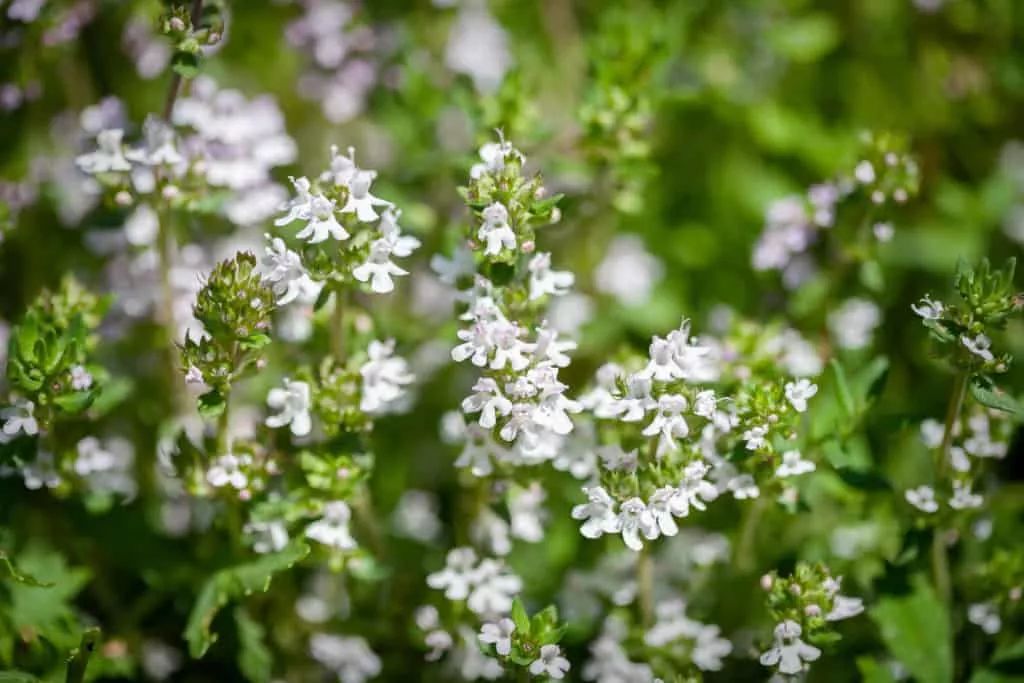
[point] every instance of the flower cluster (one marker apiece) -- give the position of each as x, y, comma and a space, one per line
804, 606
521, 408
668, 444
884, 177
351, 234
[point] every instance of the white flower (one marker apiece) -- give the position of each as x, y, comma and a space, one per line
709, 649
495, 231
379, 268
299, 207
980, 346
662, 366
360, 201
928, 309
81, 380
793, 465
923, 498
349, 657
694, 490
400, 245
109, 157
488, 401
494, 588
963, 499
384, 377
457, 576
20, 418
705, 404
755, 437
854, 322
293, 401
789, 653
321, 222
798, 392
864, 173
332, 528
159, 148
636, 519
743, 487
599, 513
932, 432
550, 663
267, 537
549, 349
499, 635
668, 423
282, 269
439, 642
492, 155
449, 270
844, 607
478, 47
628, 271
544, 281
526, 512
226, 471
986, 616
661, 508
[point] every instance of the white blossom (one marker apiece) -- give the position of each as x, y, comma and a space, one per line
378, 267
385, 377
789, 654
636, 520
360, 200
282, 269
986, 616
923, 498
980, 345
963, 498
550, 663
226, 470
599, 513
109, 156
544, 281
495, 231
798, 392
793, 465
20, 418
293, 402
332, 528
853, 323
928, 309
347, 656
498, 634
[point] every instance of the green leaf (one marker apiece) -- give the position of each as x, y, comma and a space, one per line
17, 677
185, 64
254, 341
520, 618
916, 630
805, 39
8, 570
842, 387
872, 671
212, 404
254, 657
231, 584
995, 397
76, 402
79, 659
111, 395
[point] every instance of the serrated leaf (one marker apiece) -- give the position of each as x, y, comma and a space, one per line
915, 629
231, 584
8, 570
254, 657
997, 398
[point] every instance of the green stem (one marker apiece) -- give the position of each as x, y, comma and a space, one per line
748, 536
522, 674
940, 560
338, 326
645, 585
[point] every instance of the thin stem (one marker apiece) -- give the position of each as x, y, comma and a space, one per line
748, 535
175, 86
940, 560
338, 326
645, 584
522, 674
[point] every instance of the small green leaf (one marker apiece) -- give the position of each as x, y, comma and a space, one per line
254, 341
863, 479
842, 387
231, 584
212, 404
254, 657
76, 402
521, 619
185, 64
994, 397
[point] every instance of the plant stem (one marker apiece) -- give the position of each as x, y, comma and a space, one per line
645, 584
175, 87
748, 535
522, 674
338, 326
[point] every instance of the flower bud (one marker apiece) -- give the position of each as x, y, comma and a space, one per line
766, 582
123, 198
